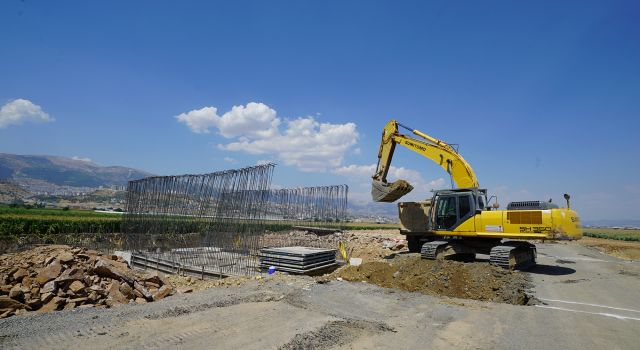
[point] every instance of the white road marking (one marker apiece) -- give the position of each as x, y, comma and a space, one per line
619, 317
576, 258
595, 305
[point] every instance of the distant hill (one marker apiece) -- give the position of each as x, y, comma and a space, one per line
61, 171
11, 192
375, 210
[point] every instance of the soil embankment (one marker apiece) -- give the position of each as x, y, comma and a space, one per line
477, 281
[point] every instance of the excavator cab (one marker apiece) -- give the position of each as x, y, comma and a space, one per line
450, 208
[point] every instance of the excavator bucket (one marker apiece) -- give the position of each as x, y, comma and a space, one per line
389, 192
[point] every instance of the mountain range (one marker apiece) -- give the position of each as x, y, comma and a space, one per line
61, 171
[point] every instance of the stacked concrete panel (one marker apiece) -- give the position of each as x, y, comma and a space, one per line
299, 260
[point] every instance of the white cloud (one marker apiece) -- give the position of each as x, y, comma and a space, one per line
356, 172
255, 120
230, 160
264, 161
360, 176
364, 172
19, 111
200, 120
83, 159
305, 144
255, 129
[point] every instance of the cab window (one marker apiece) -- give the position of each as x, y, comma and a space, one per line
464, 206
446, 215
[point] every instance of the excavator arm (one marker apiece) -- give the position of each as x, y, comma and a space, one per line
438, 151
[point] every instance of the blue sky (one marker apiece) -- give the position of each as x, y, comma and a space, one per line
543, 97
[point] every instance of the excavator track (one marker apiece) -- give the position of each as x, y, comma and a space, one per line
430, 249
514, 255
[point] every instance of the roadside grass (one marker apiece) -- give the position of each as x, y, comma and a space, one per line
609, 233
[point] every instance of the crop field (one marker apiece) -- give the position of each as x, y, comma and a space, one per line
7, 210
21, 221
617, 234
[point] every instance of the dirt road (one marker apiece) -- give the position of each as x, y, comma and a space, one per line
591, 302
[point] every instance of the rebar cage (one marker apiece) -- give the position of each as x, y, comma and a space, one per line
216, 223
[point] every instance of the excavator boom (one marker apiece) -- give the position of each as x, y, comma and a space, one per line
429, 147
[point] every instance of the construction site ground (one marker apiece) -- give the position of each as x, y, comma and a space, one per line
583, 299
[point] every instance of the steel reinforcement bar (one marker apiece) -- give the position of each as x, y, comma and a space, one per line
210, 221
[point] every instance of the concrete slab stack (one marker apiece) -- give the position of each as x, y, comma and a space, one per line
298, 260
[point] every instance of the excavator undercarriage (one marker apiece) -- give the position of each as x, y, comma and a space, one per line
509, 255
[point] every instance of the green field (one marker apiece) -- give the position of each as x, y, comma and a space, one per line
609, 233
22, 221
7, 210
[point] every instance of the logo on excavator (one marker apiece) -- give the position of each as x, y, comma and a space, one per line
414, 145
534, 229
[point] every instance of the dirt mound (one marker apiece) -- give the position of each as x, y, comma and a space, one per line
479, 281
628, 250
52, 278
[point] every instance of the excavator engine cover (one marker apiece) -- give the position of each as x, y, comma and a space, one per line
389, 192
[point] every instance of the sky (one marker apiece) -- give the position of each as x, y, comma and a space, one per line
543, 97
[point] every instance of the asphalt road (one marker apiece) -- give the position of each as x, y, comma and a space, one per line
590, 301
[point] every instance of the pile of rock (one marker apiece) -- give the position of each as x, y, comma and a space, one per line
52, 278
394, 243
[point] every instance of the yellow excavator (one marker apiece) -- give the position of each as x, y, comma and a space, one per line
459, 223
